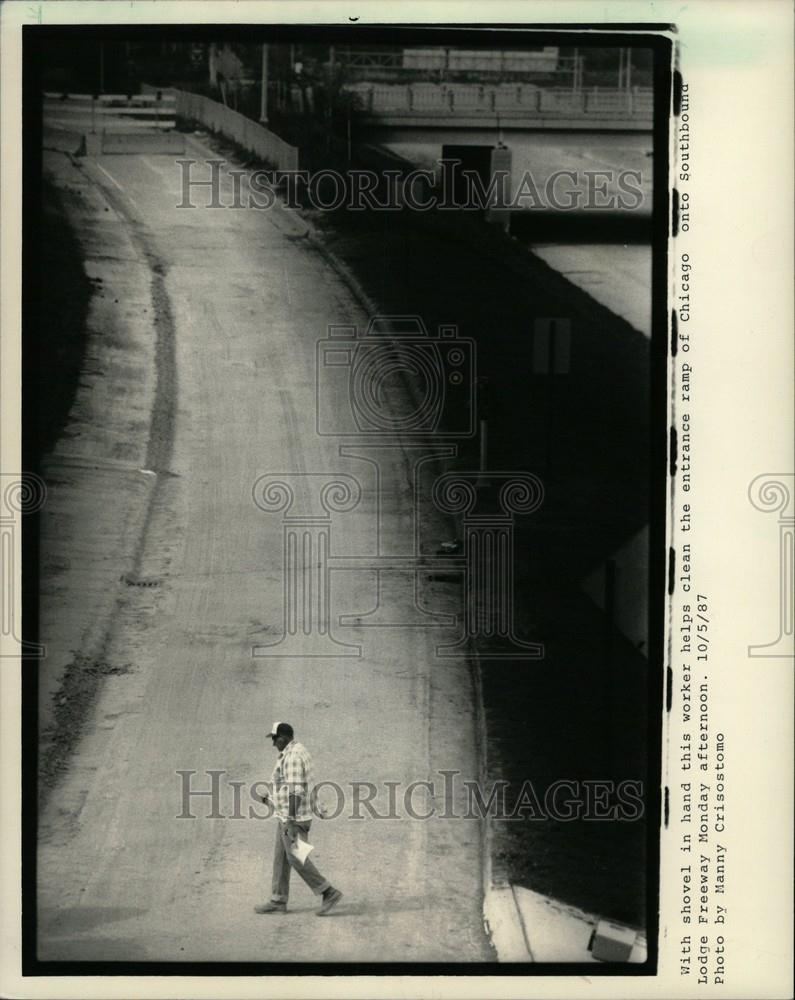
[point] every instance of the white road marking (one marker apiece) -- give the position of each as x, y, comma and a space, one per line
110, 177
147, 162
113, 180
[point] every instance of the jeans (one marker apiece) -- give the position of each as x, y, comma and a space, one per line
283, 861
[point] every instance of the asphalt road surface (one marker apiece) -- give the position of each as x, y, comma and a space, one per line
238, 301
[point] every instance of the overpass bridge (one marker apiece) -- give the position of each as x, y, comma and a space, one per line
587, 134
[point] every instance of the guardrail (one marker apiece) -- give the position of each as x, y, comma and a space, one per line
636, 102
445, 60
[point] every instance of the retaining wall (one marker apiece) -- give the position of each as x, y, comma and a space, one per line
246, 133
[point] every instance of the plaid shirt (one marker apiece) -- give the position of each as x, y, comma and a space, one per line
292, 774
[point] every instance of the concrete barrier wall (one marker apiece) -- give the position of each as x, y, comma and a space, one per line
120, 142
246, 133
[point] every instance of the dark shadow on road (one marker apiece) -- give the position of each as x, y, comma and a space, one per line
78, 919
581, 712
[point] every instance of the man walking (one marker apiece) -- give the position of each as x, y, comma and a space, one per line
291, 784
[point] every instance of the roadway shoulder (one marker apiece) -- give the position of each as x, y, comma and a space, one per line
98, 483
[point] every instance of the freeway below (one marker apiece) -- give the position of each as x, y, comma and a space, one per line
616, 274
231, 310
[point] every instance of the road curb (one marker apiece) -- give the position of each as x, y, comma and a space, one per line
500, 918
526, 926
504, 925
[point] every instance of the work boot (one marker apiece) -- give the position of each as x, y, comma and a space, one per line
330, 899
272, 906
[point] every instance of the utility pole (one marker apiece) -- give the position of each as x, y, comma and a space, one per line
263, 108
330, 96
212, 65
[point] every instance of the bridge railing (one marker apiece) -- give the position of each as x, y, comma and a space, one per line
480, 99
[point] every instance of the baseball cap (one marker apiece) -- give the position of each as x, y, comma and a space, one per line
281, 729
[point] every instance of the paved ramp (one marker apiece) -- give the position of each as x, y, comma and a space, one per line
238, 303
